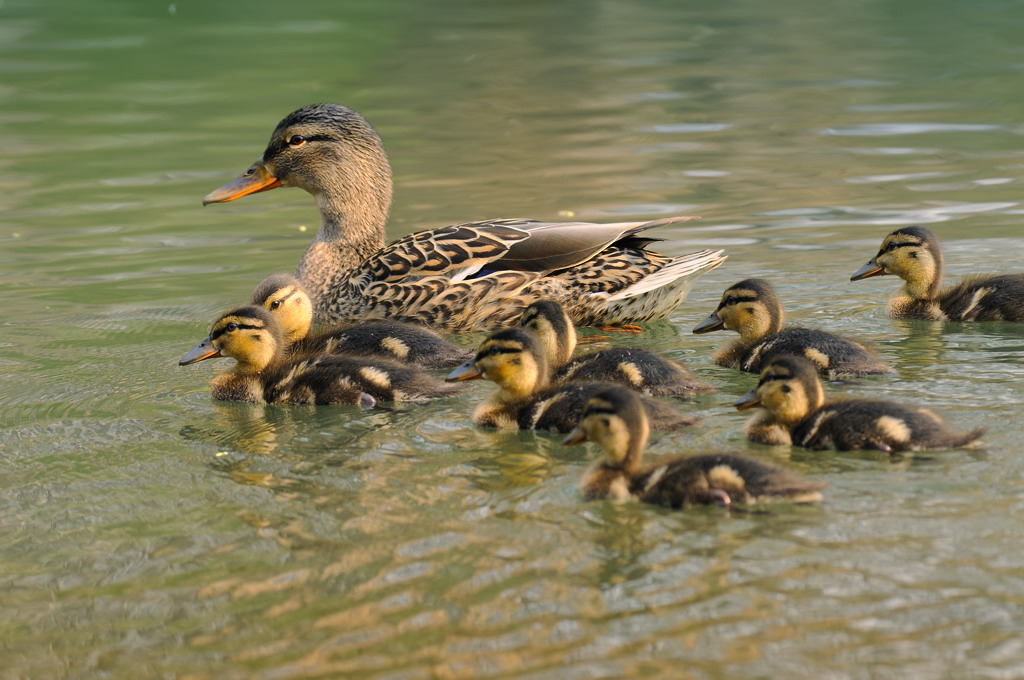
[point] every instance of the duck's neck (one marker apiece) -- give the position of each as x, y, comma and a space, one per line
351, 230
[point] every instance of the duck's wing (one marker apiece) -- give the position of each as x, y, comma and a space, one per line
465, 250
461, 248
561, 245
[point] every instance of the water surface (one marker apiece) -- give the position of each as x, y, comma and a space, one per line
149, 532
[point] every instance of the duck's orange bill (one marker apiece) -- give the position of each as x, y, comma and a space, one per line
467, 371
749, 400
872, 268
204, 350
257, 178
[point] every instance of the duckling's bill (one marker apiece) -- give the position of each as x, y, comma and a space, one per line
871, 268
254, 180
577, 436
204, 350
712, 323
749, 400
467, 371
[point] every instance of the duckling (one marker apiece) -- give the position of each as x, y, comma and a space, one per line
615, 419
470, 276
285, 297
796, 414
752, 309
264, 375
643, 371
515, 360
914, 255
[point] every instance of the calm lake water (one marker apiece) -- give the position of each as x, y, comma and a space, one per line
146, 531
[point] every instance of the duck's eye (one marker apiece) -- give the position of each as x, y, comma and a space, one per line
296, 140
275, 304
493, 351
731, 300
231, 326
891, 247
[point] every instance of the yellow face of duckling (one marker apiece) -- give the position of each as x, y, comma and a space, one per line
249, 335
615, 420
512, 358
556, 331
750, 308
284, 297
911, 253
789, 389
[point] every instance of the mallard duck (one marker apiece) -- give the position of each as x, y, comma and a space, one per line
795, 412
615, 419
752, 309
643, 371
914, 255
264, 375
284, 296
514, 359
477, 275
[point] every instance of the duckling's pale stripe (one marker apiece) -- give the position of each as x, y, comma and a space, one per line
895, 429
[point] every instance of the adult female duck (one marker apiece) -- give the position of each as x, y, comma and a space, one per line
477, 275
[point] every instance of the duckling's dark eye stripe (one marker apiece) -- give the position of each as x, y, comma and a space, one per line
897, 244
772, 377
289, 296
497, 349
736, 300
238, 326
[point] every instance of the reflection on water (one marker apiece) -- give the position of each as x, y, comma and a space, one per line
148, 531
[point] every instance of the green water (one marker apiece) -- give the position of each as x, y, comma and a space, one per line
146, 531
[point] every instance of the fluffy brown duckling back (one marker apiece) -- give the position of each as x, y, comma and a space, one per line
615, 419
515, 360
914, 255
752, 309
795, 412
285, 297
638, 369
264, 375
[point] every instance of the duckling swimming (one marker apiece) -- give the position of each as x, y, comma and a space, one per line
643, 371
752, 309
914, 255
615, 419
285, 297
795, 413
515, 360
264, 375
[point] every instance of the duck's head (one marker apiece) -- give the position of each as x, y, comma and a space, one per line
614, 419
284, 297
513, 358
911, 253
789, 388
327, 149
249, 335
553, 327
750, 307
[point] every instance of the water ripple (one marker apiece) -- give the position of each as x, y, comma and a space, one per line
895, 129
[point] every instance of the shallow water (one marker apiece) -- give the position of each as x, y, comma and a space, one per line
149, 532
